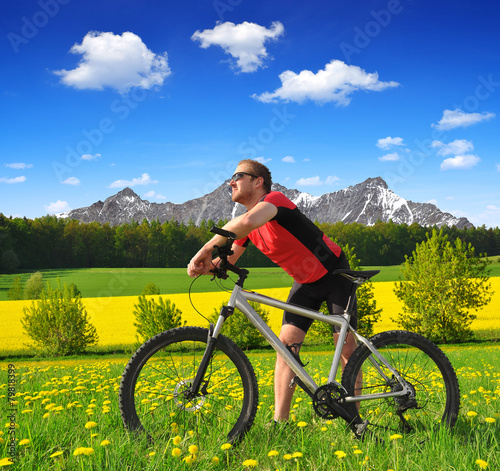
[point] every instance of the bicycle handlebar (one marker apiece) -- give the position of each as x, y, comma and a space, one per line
224, 252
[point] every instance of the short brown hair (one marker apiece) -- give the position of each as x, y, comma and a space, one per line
260, 170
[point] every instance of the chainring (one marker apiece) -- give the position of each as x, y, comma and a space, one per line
324, 397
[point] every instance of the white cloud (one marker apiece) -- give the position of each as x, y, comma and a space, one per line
243, 42
263, 160
57, 207
71, 181
316, 181
311, 181
114, 61
457, 118
389, 142
456, 147
393, 157
21, 179
331, 180
19, 165
498, 167
432, 201
144, 179
288, 159
153, 194
90, 156
335, 83
460, 162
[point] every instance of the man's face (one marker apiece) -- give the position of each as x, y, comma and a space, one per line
244, 187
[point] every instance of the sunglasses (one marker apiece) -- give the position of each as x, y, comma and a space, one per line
239, 175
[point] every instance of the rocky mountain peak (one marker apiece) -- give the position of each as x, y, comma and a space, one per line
364, 203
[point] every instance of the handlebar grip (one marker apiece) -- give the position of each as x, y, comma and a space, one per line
223, 232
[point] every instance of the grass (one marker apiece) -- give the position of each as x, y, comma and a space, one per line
99, 282
63, 407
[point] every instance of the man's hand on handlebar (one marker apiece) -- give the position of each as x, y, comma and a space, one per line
201, 263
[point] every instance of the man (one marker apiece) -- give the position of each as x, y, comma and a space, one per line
276, 226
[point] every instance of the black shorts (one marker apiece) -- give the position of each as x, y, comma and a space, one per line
334, 289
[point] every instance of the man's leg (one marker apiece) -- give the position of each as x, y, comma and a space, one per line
283, 375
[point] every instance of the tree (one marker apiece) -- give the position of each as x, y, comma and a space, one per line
58, 323
34, 286
368, 314
9, 261
16, 291
442, 283
153, 317
239, 329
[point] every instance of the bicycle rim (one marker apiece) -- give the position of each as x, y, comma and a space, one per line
434, 397
154, 392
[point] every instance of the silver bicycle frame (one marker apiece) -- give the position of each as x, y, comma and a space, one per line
239, 298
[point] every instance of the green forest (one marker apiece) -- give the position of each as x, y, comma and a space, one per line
50, 242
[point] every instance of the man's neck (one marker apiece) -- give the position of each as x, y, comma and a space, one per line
254, 200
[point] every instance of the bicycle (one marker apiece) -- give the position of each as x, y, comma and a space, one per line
193, 379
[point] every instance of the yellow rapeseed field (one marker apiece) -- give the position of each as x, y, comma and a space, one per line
113, 316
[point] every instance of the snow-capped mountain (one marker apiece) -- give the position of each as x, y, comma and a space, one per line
365, 203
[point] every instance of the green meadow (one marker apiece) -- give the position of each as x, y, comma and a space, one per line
66, 417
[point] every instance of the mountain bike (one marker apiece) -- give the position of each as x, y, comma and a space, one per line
196, 380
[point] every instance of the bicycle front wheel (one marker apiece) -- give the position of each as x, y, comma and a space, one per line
155, 387
434, 396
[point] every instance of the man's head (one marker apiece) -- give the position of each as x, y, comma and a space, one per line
258, 170
250, 182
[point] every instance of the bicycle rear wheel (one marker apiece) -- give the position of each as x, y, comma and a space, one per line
157, 379
435, 394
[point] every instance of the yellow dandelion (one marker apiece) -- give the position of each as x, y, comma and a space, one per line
396, 436
226, 446
215, 460
482, 464
250, 463
358, 452
24, 441
340, 454
189, 459
193, 449
152, 453
297, 454
273, 453
287, 457
302, 424
105, 443
324, 429
6, 462
177, 440
471, 414
56, 454
490, 420
90, 424
176, 452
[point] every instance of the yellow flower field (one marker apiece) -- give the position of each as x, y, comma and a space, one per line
113, 316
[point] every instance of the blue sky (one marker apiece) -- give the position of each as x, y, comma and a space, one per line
166, 97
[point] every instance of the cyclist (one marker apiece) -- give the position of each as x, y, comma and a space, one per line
277, 227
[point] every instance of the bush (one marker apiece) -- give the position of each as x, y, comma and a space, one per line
34, 286
154, 317
58, 323
239, 329
150, 289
